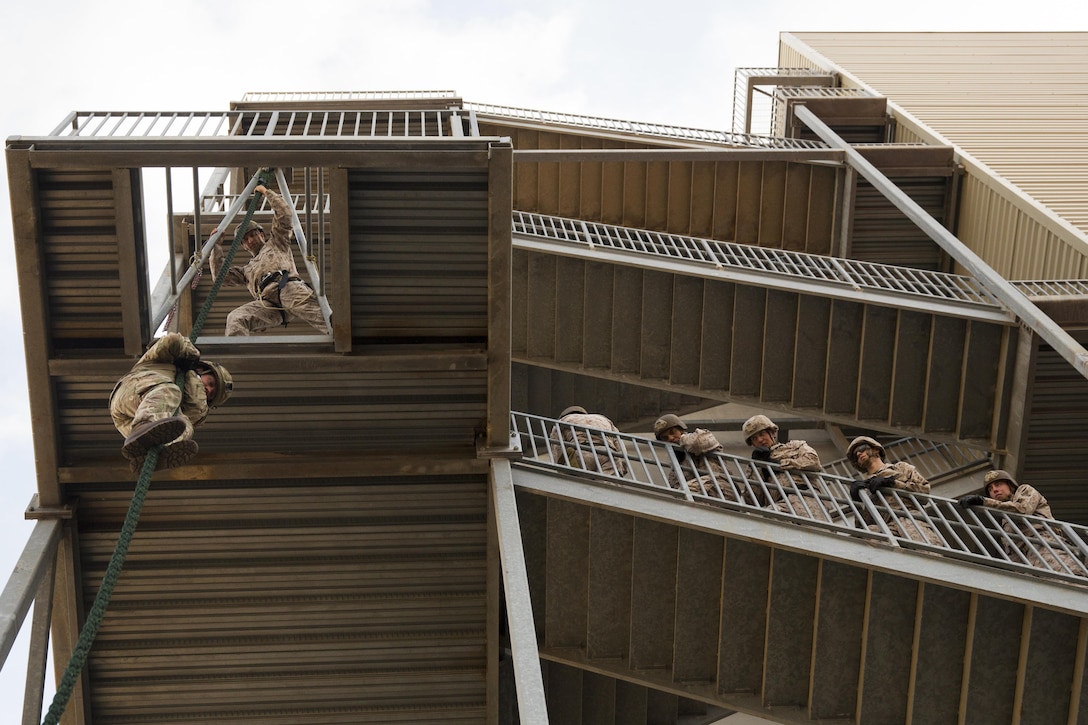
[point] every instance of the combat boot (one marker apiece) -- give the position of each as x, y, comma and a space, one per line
177, 454
148, 435
171, 456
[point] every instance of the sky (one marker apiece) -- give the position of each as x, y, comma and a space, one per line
670, 63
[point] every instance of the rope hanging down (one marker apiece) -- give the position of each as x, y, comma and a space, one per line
128, 529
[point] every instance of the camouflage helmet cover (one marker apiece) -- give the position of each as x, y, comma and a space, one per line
998, 475
249, 226
224, 382
666, 422
755, 424
572, 409
863, 441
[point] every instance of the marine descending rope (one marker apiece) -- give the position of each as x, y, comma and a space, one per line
128, 529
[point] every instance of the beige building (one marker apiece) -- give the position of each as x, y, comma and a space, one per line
1012, 106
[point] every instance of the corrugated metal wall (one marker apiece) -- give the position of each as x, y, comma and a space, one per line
1012, 104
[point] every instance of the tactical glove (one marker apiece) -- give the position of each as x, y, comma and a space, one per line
880, 482
855, 489
761, 453
972, 500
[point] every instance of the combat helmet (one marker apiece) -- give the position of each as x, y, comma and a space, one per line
998, 475
863, 441
572, 409
224, 383
666, 422
249, 226
755, 424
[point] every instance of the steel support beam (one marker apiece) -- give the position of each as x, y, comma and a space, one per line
500, 200
35, 563
824, 156
245, 354
532, 706
1033, 317
38, 658
340, 247
34, 301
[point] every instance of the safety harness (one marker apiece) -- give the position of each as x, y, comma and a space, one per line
271, 296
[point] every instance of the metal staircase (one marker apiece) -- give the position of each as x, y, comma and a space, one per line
769, 613
860, 344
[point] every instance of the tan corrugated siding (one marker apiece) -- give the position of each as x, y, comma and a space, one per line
1012, 104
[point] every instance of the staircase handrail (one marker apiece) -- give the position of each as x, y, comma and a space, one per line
851, 276
955, 459
642, 129
1009, 540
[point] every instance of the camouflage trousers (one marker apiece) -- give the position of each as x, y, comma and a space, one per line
913, 529
130, 408
600, 462
1056, 560
713, 486
298, 303
805, 504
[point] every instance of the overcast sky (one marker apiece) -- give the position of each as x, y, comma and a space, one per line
668, 62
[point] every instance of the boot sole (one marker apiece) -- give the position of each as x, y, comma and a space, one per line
162, 431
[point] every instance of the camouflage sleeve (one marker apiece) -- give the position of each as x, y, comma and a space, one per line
1026, 500
796, 455
283, 230
235, 276
171, 348
906, 477
700, 441
194, 401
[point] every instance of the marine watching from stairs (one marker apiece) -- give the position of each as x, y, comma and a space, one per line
783, 464
1005, 494
591, 451
868, 455
696, 453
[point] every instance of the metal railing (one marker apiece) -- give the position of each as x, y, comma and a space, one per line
1051, 287
1011, 541
344, 96
741, 113
694, 135
370, 124
848, 275
934, 460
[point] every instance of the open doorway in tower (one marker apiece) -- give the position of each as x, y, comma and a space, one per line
276, 280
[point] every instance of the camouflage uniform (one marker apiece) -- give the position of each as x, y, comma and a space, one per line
795, 455
272, 304
703, 471
1027, 500
148, 393
591, 453
906, 478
